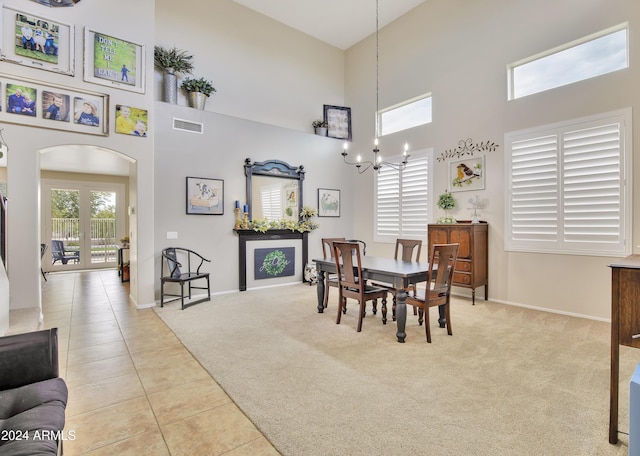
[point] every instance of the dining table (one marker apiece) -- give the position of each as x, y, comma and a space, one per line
397, 273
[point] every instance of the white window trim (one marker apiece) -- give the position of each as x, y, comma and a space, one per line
400, 105
594, 36
391, 239
558, 246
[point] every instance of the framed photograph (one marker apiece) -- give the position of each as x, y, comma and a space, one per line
113, 62
32, 103
35, 41
328, 202
339, 121
131, 121
467, 174
205, 196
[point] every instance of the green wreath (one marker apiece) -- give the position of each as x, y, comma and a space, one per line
275, 262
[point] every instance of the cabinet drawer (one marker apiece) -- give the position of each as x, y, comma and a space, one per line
463, 266
461, 278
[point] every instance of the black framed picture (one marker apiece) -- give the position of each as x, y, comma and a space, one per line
205, 196
328, 202
338, 119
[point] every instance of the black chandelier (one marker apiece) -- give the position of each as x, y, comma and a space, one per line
377, 161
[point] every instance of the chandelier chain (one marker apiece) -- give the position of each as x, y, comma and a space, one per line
377, 162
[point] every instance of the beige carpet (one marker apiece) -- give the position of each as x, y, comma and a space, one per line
510, 381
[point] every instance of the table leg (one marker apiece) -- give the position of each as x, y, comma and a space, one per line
320, 290
442, 319
401, 314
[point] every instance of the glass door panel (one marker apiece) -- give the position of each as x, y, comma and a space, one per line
65, 228
103, 229
82, 223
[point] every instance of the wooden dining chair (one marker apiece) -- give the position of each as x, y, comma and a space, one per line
350, 282
437, 292
330, 280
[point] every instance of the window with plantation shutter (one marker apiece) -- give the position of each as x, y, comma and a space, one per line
271, 197
569, 187
402, 200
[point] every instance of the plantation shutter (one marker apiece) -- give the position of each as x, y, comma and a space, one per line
592, 185
402, 200
271, 197
534, 189
414, 198
569, 189
388, 202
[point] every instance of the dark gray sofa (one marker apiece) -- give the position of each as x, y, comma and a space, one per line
32, 396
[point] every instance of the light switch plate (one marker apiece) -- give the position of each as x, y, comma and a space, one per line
172, 235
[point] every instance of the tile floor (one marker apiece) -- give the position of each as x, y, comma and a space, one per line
133, 388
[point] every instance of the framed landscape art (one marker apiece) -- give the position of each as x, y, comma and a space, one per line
113, 62
36, 41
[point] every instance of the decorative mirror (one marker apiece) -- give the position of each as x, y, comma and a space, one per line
274, 190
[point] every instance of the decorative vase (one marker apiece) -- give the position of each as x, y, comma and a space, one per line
197, 100
321, 131
169, 86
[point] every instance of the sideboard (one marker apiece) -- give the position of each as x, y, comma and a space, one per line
472, 266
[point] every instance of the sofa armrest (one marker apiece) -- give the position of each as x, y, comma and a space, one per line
28, 358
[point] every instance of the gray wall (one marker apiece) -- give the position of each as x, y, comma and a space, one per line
220, 153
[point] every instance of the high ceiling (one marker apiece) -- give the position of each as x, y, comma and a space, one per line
341, 23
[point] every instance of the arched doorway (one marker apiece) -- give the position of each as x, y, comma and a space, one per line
84, 205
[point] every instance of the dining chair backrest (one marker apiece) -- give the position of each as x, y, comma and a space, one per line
442, 263
363, 245
349, 265
409, 247
327, 246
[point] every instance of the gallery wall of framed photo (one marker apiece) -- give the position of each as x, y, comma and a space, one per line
34, 40
31, 103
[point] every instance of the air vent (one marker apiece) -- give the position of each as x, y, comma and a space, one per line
187, 125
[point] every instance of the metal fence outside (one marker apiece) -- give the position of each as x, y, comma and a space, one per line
104, 246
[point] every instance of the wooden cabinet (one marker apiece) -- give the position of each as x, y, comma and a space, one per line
625, 325
472, 265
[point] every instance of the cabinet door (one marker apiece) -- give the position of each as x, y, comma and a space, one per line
462, 236
438, 235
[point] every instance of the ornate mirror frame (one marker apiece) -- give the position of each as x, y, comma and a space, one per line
275, 169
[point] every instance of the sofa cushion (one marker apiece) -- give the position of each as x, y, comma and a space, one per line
26, 412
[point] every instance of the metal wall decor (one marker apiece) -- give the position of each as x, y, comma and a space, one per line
467, 147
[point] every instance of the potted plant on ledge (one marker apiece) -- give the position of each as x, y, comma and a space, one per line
198, 90
320, 127
171, 62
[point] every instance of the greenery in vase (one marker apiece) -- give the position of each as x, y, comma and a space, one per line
320, 124
177, 60
446, 202
201, 85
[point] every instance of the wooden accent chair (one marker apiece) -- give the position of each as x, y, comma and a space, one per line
330, 280
438, 287
350, 281
172, 256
